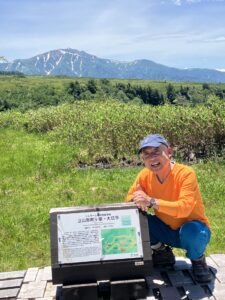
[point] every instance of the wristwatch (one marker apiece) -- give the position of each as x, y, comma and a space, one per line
152, 203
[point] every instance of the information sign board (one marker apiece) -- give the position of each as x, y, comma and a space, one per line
96, 236
93, 243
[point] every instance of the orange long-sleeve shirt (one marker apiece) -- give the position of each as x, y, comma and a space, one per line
179, 198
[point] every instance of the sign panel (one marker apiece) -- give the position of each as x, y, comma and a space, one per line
99, 236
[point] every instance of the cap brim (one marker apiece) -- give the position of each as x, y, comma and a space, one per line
154, 145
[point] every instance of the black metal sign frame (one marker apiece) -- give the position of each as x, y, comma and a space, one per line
89, 272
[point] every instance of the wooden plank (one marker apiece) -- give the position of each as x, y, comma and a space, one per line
129, 289
45, 290
80, 292
46, 298
34, 289
177, 278
219, 259
220, 274
44, 274
51, 290
219, 292
12, 275
195, 292
10, 283
39, 275
47, 274
211, 263
31, 274
9, 293
170, 292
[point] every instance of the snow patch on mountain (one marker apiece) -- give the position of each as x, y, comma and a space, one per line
3, 60
72, 62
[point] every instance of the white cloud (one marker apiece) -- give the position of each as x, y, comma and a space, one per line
171, 32
177, 2
180, 2
218, 39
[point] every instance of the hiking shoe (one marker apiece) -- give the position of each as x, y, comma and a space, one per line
163, 257
200, 270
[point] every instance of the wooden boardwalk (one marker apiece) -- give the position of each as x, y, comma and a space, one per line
176, 284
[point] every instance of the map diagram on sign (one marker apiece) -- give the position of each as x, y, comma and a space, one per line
119, 240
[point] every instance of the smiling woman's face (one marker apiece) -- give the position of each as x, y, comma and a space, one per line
157, 159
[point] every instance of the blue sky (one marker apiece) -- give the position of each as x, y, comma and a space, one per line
178, 33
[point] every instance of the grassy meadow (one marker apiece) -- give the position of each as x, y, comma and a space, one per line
43, 149
37, 174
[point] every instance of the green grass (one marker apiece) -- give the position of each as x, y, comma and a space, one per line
38, 174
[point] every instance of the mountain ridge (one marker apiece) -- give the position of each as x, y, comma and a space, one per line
72, 62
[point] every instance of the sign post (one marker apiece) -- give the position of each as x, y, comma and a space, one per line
97, 246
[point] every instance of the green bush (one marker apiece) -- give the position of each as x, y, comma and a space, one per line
113, 129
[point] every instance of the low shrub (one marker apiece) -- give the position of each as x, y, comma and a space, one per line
99, 129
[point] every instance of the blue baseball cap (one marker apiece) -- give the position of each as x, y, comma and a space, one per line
152, 140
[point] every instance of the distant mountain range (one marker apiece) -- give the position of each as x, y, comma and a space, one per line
71, 62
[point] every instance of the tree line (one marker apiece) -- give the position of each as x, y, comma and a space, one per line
11, 73
23, 92
184, 95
